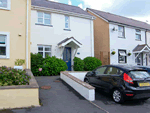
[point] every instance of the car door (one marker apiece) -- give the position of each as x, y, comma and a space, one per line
111, 78
96, 74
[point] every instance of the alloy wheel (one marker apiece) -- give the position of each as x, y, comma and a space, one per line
117, 96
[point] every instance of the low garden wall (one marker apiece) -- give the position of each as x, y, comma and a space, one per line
75, 80
18, 96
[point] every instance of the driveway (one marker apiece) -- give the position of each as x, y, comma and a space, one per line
61, 98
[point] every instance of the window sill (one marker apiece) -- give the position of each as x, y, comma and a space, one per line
43, 24
138, 40
122, 37
5, 8
122, 63
3, 57
67, 29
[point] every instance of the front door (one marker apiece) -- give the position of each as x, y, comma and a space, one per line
67, 57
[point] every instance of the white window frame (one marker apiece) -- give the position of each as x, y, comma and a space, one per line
67, 22
137, 33
121, 31
122, 55
43, 18
7, 45
8, 5
44, 46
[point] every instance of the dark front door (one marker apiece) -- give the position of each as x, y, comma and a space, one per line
67, 57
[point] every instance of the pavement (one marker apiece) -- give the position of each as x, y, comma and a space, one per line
61, 98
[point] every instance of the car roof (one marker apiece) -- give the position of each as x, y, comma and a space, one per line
144, 66
126, 67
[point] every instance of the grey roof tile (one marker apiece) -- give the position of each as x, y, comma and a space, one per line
120, 19
139, 47
59, 6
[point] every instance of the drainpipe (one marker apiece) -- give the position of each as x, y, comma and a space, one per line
27, 35
145, 37
92, 38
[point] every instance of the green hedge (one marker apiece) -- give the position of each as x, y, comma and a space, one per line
78, 64
10, 76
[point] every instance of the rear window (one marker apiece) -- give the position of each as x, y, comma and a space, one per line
139, 74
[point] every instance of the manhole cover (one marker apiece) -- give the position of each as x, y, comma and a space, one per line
46, 87
57, 81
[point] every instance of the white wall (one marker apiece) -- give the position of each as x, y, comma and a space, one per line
79, 75
128, 44
148, 43
80, 30
89, 94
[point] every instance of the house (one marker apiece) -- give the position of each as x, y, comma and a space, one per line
61, 30
122, 36
15, 32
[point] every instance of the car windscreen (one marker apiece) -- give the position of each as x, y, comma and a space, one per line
139, 74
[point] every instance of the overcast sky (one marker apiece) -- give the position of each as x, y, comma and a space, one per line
136, 9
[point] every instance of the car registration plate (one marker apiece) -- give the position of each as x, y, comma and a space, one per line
144, 84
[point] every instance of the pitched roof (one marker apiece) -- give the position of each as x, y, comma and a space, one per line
120, 19
139, 47
59, 6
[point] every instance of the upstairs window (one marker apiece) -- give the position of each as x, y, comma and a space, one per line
121, 33
44, 50
44, 18
138, 34
66, 22
5, 4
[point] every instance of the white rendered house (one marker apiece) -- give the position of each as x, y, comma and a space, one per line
61, 30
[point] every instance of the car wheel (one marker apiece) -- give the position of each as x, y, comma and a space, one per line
87, 81
117, 96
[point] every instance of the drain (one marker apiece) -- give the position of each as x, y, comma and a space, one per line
46, 87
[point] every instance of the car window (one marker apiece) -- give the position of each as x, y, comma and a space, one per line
100, 70
139, 74
114, 71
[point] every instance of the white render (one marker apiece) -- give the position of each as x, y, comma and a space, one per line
81, 30
128, 43
80, 75
89, 94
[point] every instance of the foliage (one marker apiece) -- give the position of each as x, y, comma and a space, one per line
19, 62
36, 63
113, 52
10, 76
129, 54
78, 64
91, 63
53, 66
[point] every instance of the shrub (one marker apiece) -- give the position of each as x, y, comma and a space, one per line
10, 76
53, 66
36, 63
91, 63
78, 64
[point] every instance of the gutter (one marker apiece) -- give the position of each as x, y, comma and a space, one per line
27, 26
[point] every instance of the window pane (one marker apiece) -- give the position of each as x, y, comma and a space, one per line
47, 16
41, 53
3, 3
40, 14
66, 25
66, 19
100, 70
122, 59
47, 21
112, 70
47, 49
120, 34
40, 20
2, 39
138, 36
2, 50
47, 53
120, 28
40, 48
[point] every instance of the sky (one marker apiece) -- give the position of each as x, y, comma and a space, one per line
136, 9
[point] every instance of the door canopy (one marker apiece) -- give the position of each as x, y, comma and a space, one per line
66, 41
141, 48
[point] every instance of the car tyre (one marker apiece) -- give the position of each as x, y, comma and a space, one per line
117, 96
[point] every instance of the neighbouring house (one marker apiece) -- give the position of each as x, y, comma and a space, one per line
61, 30
125, 37
15, 32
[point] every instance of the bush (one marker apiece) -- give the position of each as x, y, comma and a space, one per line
91, 63
78, 64
53, 66
36, 63
10, 76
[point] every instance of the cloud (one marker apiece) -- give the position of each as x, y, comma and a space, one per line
69, 2
80, 5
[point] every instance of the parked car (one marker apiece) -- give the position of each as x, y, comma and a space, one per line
121, 81
145, 67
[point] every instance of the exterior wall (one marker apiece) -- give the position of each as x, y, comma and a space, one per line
45, 35
80, 75
16, 98
148, 43
128, 44
14, 22
101, 39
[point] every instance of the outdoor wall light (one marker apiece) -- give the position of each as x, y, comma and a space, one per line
78, 53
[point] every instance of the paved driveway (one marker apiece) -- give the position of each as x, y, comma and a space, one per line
61, 98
